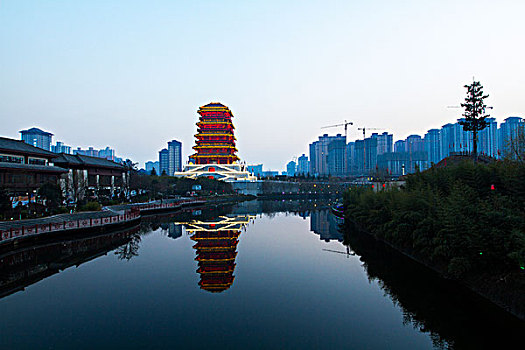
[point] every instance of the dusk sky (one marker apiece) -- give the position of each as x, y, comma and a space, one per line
132, 74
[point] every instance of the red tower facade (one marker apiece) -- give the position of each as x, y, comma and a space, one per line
215, 141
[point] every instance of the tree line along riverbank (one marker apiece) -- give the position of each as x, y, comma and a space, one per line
466, 221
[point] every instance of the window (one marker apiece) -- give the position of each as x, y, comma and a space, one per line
37, 161
11, 159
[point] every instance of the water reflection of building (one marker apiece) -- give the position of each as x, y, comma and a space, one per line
325, 224
216, 246
174, 230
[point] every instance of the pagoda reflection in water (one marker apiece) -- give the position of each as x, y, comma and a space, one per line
216, 246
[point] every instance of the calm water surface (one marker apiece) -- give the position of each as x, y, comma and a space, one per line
254, 275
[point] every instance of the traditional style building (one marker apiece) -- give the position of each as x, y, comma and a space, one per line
215, 152
91, 177
215, 142
25, 168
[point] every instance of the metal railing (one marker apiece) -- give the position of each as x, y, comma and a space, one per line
31, 230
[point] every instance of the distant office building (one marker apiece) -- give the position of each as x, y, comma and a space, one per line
256, 170
175, 157
431, 142
291, 168
37, 138
153, 165
164, 162
303, 165
509, 133
59, 147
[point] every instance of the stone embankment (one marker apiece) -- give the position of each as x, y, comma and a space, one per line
114, 216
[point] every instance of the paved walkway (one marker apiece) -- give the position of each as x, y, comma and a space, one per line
6, 225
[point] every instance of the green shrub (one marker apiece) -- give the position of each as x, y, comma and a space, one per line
91, 206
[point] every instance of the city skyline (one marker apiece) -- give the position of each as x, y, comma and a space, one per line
132, 74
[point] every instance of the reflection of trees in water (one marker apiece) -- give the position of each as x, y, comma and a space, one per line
31, 263
453, 316
130, 249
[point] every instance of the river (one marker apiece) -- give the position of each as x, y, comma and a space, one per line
260, 274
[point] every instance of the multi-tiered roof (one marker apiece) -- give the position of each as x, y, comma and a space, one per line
216, 247
215, 142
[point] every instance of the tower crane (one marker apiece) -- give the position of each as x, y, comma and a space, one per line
364, 146
345, 124
365, 129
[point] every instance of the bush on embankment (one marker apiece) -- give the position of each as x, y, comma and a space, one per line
460, 219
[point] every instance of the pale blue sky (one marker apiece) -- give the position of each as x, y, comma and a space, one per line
131, 74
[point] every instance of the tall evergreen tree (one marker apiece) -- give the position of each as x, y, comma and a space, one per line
474, 112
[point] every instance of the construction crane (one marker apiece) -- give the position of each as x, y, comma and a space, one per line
364, 147
365, 129
345, 124
338, 125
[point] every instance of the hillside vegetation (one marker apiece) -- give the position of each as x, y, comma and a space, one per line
462, 220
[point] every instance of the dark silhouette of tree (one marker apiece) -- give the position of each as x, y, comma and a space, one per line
52, 193
153, 172
5, 203
474, 112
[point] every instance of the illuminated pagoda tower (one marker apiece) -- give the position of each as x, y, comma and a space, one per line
215, 152
215, 140
216, 246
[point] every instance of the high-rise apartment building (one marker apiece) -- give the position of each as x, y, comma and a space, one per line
291, 168
153, 165
37, 138
164, 162
432, 145
509, 134
400, 146
303, 165
175, 157
59, 147
384, 142
107, 153
488, 139
336, 160
319, 155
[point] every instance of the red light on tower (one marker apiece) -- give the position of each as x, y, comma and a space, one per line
492, 187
